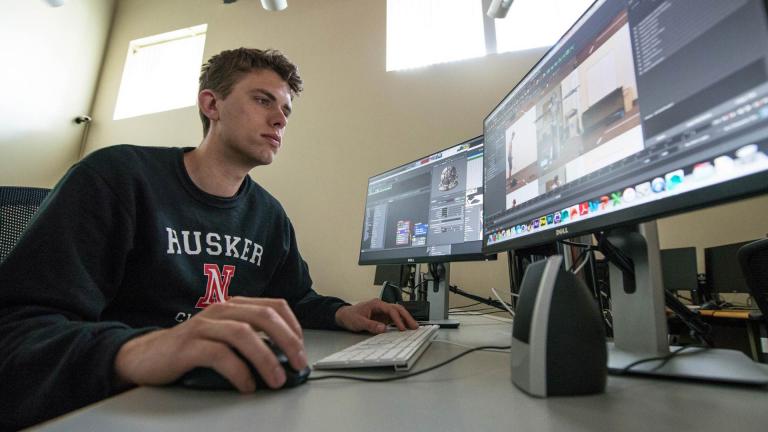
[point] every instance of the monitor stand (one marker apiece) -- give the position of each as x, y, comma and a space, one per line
640, 322
437, 296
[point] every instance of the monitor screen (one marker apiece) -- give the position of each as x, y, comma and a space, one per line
723, 270
428, 210
678, 269
644, 108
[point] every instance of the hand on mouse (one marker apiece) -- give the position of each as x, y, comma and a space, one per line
373, 316
207, 339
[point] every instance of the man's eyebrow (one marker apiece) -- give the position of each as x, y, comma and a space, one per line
270, 96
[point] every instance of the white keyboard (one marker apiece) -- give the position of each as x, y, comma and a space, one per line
395, 348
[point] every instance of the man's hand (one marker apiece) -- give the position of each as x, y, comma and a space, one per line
207, 340
373, 316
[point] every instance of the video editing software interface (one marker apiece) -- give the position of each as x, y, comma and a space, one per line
642, 101
426, 209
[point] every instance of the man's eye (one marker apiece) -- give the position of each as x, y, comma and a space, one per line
263, 101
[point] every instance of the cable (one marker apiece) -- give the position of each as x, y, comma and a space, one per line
434, 271
411, 291
388, 284
585, 261
494, 303
467, 346
413, 374
665, 359
585, 253
579, 245
482, 309
489, 311
509, 292
506, 306
466, 306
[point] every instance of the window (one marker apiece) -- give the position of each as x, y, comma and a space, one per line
425, 32
161, 72
533, 24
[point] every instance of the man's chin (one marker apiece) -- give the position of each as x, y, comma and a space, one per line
262, 159
269, 159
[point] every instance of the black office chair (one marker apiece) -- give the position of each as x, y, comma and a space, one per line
753, 258
17, 206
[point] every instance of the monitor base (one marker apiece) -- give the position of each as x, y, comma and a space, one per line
443, 323
700, 364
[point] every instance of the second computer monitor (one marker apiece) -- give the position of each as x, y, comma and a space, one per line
724, 273
428, 210
678, 269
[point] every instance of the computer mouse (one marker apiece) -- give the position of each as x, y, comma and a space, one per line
208, 379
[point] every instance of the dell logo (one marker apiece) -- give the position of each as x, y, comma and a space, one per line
561, 231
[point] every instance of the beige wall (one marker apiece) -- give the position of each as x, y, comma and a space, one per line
353, 120
49, 67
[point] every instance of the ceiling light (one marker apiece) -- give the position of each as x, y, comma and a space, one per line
497, 9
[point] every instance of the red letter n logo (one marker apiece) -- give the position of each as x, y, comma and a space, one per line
217, 288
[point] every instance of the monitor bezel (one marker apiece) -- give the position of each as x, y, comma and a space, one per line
710, 196
478, 256
732, 190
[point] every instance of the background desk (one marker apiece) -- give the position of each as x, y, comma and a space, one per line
473, 393
743, 330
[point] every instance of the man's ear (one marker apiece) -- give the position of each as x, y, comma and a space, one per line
207, 102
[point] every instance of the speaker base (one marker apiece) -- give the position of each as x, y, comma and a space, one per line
699, 364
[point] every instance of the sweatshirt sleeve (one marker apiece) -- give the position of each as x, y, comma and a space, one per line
293, 283
55, 353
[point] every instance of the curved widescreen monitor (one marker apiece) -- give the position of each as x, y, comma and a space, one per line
642, 109
428, 210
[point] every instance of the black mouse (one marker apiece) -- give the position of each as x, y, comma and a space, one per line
208, 379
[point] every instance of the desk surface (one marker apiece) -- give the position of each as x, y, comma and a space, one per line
472, 393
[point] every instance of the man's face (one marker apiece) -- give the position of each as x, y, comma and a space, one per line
252, 118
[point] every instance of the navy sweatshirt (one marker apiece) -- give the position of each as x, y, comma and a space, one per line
124, 244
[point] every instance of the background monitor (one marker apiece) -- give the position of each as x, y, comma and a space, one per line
723, 270
642, 109
429, 210
388, 273
679, 270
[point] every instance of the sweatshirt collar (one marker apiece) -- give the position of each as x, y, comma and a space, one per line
201, 195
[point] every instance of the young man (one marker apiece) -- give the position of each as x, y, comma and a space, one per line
144, 263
